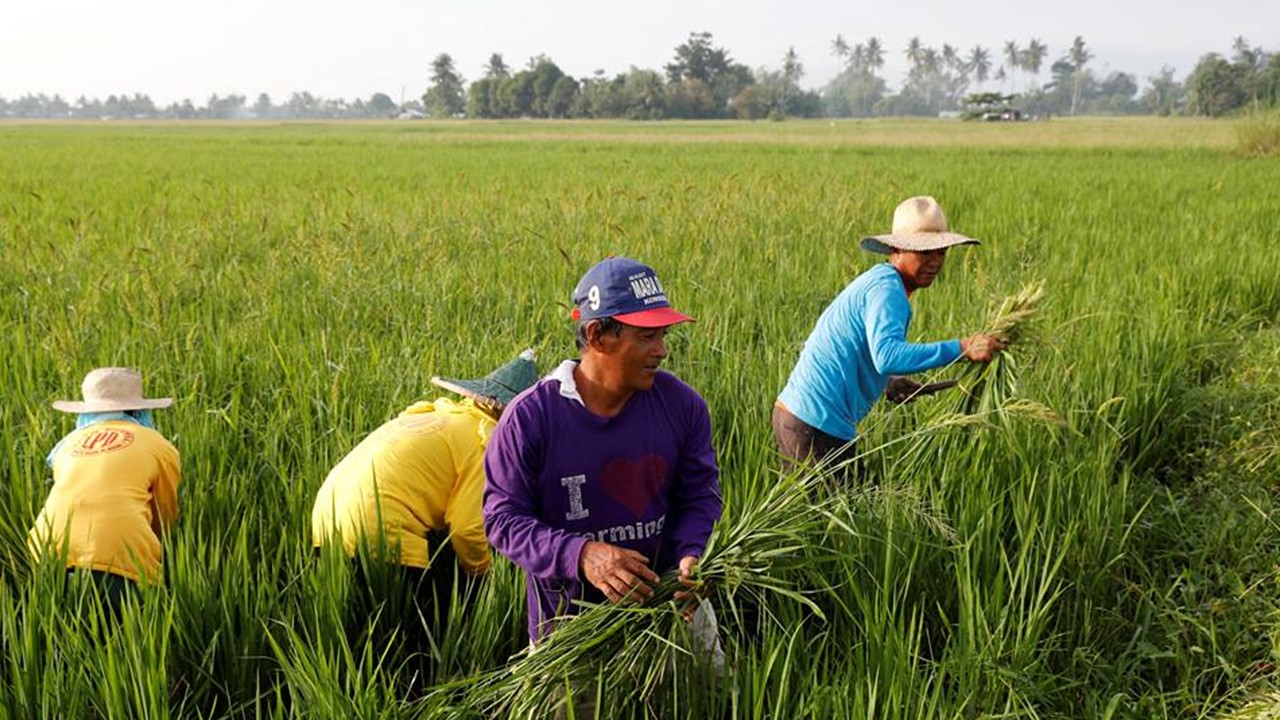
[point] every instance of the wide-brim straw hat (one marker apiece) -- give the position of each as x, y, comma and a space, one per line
498, 387
918, 226
112, 388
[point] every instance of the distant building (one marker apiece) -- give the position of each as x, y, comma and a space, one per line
990, 107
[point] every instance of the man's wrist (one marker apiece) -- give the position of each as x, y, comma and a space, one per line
581, 555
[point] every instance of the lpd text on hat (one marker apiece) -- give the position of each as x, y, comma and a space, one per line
627, 291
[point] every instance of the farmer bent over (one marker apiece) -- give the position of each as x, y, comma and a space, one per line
410, 486
115, 487
860, 342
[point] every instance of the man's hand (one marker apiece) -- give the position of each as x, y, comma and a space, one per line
980, 347
618, 573
695, 591
901, 389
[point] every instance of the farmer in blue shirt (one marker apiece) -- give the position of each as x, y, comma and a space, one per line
859, 344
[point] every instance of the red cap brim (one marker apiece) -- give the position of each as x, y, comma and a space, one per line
657, 317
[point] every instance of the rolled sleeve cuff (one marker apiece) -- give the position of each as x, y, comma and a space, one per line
684, 550
570, 560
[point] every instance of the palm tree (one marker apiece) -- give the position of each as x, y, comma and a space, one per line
931, 61
872, 61
915, 55
1011, 61
980, 64
1250, 58
1078, 56
931, 64
1033, 57
857, 59
914, 51
874, 53
792, 71
792, 68
839, 47
497, 68
1245, 55
955, 74
951, 57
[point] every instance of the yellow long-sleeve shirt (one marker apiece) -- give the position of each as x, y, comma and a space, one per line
419, 472
115, 492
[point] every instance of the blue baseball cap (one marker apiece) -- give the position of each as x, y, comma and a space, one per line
627, 291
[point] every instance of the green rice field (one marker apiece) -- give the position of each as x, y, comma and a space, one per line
1114, 553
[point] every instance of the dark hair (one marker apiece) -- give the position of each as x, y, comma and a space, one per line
607, 326
490, 405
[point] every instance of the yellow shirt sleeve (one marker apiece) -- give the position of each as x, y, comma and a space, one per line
463, 516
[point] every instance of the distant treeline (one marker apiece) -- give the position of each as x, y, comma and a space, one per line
703, 81
301, 105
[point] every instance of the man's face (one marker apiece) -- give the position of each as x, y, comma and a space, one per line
635, 354
918, 269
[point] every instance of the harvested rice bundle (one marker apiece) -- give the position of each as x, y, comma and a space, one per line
774, 551
992, 388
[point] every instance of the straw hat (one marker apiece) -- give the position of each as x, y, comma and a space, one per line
498, 387
918, 226
112, 388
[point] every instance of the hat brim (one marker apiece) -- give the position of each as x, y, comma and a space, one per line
499, 387
915, 242
655, 318
77, 406
481, 390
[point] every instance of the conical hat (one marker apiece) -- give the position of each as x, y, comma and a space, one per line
500, 386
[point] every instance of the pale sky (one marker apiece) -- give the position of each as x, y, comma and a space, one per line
175, 49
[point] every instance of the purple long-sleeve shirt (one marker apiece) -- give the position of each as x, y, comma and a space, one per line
558, 476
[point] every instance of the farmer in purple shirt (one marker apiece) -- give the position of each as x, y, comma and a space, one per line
602, 475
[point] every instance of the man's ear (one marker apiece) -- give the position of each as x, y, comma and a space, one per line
597, 338
594, 336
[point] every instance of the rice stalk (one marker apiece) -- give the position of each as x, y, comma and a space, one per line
1263, 707
785, 550
245, 245
991, 388
773, 553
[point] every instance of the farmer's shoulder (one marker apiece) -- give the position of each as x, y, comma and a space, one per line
533, 400
878, 278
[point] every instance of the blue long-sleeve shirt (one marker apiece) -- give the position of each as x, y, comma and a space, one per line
858, 342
